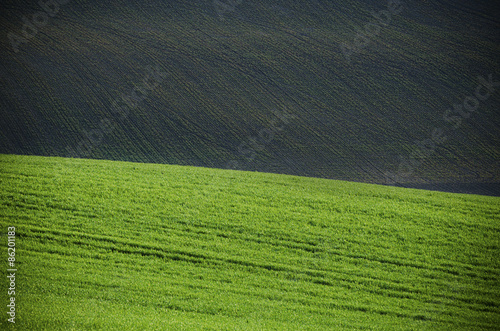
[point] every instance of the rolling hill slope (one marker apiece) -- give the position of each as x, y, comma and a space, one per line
118, 245
289, 86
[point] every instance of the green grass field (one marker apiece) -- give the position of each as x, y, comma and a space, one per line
128, 246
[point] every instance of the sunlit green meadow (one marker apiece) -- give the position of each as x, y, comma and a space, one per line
130, 246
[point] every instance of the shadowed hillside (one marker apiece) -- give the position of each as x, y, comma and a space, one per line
290, 87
